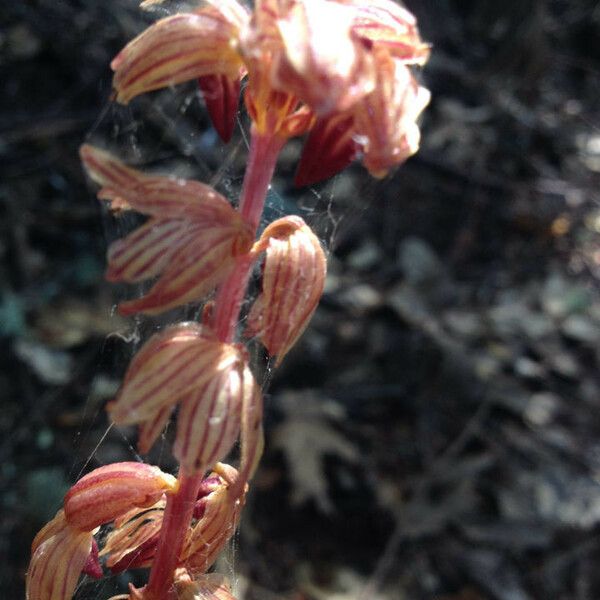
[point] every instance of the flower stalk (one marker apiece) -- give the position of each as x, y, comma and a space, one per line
352, 90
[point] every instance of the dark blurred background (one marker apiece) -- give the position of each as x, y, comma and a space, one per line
436, 433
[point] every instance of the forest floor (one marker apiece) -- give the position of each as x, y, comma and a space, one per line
436, 432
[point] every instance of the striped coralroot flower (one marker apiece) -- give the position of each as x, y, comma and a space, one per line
59, 554
132, 542
303, 74
209, 379
110, 491
292, 284
191, 240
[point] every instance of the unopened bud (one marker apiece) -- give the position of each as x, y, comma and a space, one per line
292, 284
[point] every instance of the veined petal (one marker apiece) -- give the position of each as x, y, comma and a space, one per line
292, 284
386, 24
209, 419
155, 195
195, 268
170, 365
108, 492
177, 49
251, 440
150, 430
57, 562
387, 119
323, 65
147, 251
132, 532
215, 527
329, 148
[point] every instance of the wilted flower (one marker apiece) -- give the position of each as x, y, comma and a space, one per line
310, 64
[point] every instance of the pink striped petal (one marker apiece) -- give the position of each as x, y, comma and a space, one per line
325, 66
57, 562
146, 252
159, 196
213, 530
170, 365
292, 284
108, 492
131, 532
194, 269
387, 24
174, 50
150, 430
387, 119
209, 419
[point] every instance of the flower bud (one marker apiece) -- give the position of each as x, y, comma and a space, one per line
110, 491
292, 284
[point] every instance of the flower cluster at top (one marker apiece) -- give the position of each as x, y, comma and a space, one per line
338, 71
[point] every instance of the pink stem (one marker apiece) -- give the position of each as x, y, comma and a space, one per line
264, 150
176, 519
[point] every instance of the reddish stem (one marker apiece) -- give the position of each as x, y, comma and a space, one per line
264, 150
176, 520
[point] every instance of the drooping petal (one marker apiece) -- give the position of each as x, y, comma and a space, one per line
174, 50
221, 96
251, 441
194, 269
330, 147
155, 195
386, 120
57, 562
170, 365
386, 24
147, 251
211, 532
292, 284
133, 533
108, 492
150, 429
209, 419
321, 62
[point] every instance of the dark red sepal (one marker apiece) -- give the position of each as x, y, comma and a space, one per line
221, 95
92, 567
330, 147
